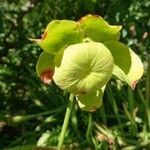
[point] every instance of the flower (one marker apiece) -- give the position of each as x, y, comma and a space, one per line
82, 56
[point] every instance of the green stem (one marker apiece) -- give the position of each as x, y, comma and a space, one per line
89, 127
148, 92
66, 121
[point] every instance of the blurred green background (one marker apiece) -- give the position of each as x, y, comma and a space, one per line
31, 113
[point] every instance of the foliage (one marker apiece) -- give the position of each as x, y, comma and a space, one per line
30, 108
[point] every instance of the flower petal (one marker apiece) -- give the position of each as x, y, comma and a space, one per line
96, 28
136, 70
128, 66
45, 67
85, 67
121, 54
59, 34
91, 101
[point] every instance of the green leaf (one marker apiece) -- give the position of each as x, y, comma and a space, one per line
59, 34
45, 66
91, 101
85, 67
128, 66
98, 30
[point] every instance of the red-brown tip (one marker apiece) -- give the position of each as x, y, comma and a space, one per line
89, 15
47, 75
44, 35
133, 85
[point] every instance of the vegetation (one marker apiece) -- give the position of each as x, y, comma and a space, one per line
32, 113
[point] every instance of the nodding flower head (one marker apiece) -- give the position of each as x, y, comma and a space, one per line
84, 68
82, 56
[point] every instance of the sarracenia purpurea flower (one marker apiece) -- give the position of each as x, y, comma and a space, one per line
82, 56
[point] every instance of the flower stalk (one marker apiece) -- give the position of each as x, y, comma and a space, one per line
66, 121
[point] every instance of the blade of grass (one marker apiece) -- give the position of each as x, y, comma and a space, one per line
148, 91
115, 109
20, 119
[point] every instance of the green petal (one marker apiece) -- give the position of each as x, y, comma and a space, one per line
135, 72
85, 67
59, 34
45, 66
58, 57
121, 54
128, 66
91, 101
98, 30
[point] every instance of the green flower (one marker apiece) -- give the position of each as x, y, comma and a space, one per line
84, 68
82, 56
